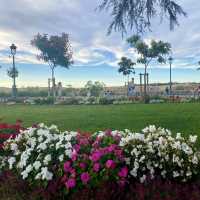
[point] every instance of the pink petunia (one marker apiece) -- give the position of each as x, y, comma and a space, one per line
96, 156
82, 165
96, 167
70, 183
123, 173
85, 177
110, 164
67, 166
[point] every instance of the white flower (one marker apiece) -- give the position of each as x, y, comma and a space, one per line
14, 147
195, 160
42, 146
133, 172
11, 161
45, 174
37, 165
175, 174
24, 174
47, 159
61, 158
193, 138
152, 128
143, 178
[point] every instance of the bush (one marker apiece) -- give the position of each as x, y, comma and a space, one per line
47, 101
105, 101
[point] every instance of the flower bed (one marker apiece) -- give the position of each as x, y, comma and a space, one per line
152, 164
9, 130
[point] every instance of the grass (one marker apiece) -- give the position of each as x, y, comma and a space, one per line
177, 117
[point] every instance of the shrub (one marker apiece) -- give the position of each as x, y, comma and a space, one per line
155, 152
105, 101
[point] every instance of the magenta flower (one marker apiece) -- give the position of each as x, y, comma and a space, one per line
123, 172
74, 156
85, 177
67, 166
96, 156
70, 183
111, 148
96, 167
72, 172
110, 164
77, 147
82, 165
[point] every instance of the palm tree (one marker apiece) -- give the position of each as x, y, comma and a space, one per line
137, 15
126, 67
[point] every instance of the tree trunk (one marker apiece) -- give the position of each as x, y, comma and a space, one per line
145, 84
53, 82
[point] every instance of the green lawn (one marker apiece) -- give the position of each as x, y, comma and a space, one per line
177, 117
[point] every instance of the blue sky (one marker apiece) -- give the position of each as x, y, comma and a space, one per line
95, 54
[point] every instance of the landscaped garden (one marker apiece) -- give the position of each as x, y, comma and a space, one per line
88, 161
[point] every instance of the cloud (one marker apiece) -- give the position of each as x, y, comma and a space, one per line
22, 19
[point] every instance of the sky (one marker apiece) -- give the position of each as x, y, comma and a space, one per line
95, 53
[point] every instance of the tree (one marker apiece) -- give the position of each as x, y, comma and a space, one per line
156, 51
126, 67
55, 50
95, 88
137, 15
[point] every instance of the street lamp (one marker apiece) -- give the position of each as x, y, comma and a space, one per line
170, 82
13, 49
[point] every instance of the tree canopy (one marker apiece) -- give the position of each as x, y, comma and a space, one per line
95, 88
137, 15
55, 50
156, 50
126, 66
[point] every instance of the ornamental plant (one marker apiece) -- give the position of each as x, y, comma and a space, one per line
9, 130
95, 160
155, 152
36, 153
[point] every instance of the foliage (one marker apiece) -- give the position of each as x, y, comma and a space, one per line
137, 15
9, 131
157, 50
55, 50
126, 66
95, 89
44, 101
105, 101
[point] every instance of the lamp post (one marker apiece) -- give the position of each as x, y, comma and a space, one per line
170, 82
13, 49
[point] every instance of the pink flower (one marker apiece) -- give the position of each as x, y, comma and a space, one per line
74, 156
85, 177
96, 167
77, 147
67, 166
111, 148
123, 172
82, 165
70, 183
72, 172
110, 164
96, 156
